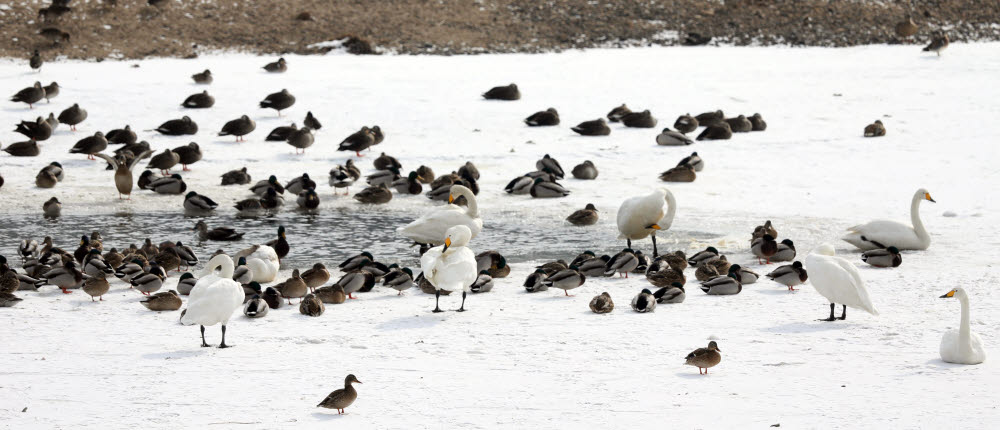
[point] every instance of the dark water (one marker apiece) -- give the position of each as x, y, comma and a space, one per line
329, 236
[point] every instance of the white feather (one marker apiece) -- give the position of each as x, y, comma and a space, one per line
638, 213
431, 227
838, 280
214, 298
454, 269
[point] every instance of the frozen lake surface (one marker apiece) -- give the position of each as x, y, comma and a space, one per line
519, 360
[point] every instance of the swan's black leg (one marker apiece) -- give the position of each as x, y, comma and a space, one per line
843, 316
654, 246
223, 344
462, 308
831, 314
629, 242
203, 344
437, 298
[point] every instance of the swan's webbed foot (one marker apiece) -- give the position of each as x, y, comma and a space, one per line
843, 315
831, 318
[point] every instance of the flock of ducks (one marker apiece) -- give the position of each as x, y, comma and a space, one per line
443, 233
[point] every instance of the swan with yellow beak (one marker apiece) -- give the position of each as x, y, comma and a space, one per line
451, 266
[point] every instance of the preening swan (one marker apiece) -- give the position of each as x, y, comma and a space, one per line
884, 233
263, 262
431, 227
962, 346
639, 217
838, 280
452, 266
214, 298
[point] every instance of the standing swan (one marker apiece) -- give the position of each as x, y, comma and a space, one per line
214, 298
838, 280
639, 217
962, 346
452, 266
884, 233
431, 227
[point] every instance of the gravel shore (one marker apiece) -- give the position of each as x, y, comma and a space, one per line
134, 29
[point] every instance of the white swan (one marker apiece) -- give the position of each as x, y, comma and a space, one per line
962, 346
838, 280
884, 233
431, 227
262, 261
214, 298
639, 217
452, 266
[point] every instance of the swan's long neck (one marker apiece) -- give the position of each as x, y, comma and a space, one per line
473, 210
225, 264
918, 225
964, 332
671, 209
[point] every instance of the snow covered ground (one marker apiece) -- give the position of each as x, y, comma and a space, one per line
541, 360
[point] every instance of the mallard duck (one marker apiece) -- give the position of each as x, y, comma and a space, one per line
173, 184
379, 135
602, 303
566, 279
483, 283
281, 133
355, 281
704, 358
938, 43
906, 27
52, 208
358, 141
150, 281
345, 175
585, 170
73, 115
506, 92
595, 127
239, 127
194, 202
595, 267
168, 259
242, 273
123, 171
164, 161
186, 283
90, 145
785, 252
398, 279
272, 297
188, 155
9, 300
643, 263
114, 258
623, 262
708, 118
94, 264
236, 177
333, 294
758, 123
374, 195
149, 248
545, 189
35, 62
642, 119
311, 305
165, 301
301, 139
53, 122
38, 131
553, 266
887, 257
875, 129
682, 173
23, 149
789, 275
469, 170
716, 131
178, 127
260, 188
147, 177
673, 293
521, 185
721, 264
30, 95
28, 248
585, 216
617, 113
724, 285
279, 66
747, 276
644, 302
256, 307
384, 162
342, 398
761, 230
380, 177
764, 248
278, 101
308, 200
684, 124
535, 282
665, 276
316, 276
46, 178
312, 122
494, 263
425, 174
408, 185
543, 118
223, 234
668, 137
200, 100
356, 262
127, 271
581, 257
677, 260
9, 282
740, 124
706, 272
203, 77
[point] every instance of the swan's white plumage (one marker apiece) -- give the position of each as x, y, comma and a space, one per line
214, 298
893, 233
262, 261
431, 227
961, 345
638, 213
838, 280
454, 269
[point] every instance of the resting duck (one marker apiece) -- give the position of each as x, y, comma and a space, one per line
343, 176
178, 127
194, 202
186, 283
494, 263
642, 119
685, 124
644, 302
312, 122
204, 78
279, 66
506, 92
789, 275
668, 137
399, 279
200, 100
673, 293
665, 276
875, 129
595, 127
374, 195
333, 294
785, 252
887, 257
617, 113
358, 141
311, 306
281, 133
236, 177
602, 303
623, 262
566, 279
316, 277
224, 234
165, 301
595, 267
256, 307
585, 216
150, 281
172, 184
535, 282
740, 124
543, 118
408, 185
724, 285
546, 189
681, 173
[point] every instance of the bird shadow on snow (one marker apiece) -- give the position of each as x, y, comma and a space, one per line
176, 354
808, 326
689, 375
327, 417
414, 322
